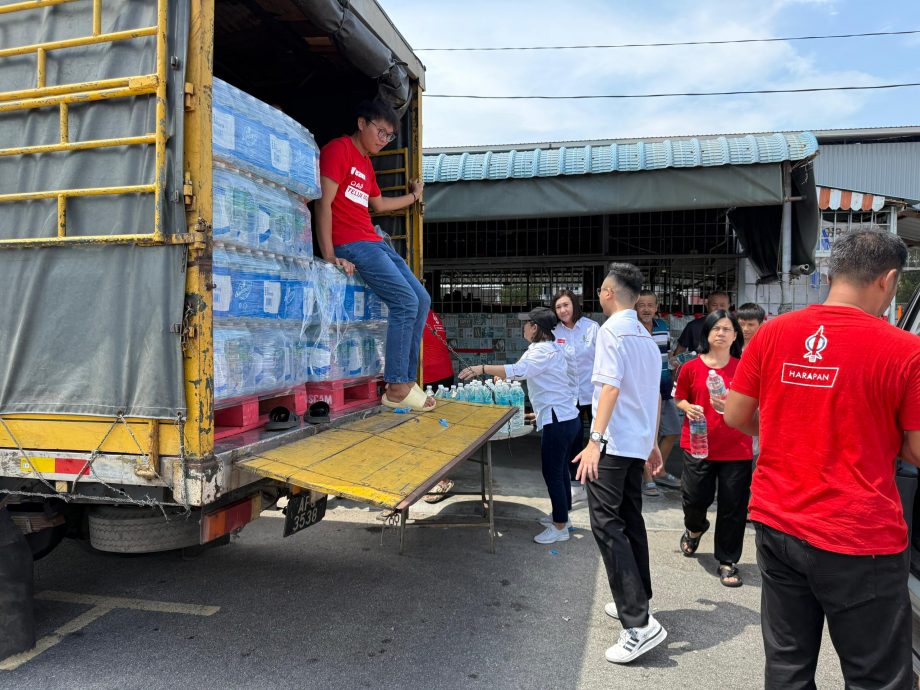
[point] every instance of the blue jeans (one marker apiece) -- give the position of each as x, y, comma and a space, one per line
387, 274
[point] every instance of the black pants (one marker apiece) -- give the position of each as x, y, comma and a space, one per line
615, 505
698, 488
864, 599
555, 441
581, 440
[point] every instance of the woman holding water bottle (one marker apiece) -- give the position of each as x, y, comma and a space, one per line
715, 455
553, 388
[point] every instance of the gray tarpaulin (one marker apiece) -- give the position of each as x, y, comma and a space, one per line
362, 49
88, 330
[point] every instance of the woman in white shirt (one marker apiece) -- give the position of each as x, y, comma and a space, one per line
551, 385
578, 334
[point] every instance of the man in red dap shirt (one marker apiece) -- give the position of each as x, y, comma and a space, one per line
838, 392
437, 369
347, 239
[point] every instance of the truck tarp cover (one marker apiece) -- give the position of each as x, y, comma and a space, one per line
89, 329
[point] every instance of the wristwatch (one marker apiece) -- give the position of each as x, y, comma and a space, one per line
596, 437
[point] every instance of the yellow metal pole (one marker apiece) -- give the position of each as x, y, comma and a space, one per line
65, 122
40, 56
79, 41
89, 191
31, 5
118, 82
97, 17
62, 216
160, 146
198, 359
78, 145
140, 89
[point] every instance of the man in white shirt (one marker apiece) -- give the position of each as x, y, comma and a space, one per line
624, 431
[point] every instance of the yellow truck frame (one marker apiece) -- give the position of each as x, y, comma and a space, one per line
174, 455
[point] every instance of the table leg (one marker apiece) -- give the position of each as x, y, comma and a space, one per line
491, 508
403, 514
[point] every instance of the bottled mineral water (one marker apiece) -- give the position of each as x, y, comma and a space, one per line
429, 391
716, 386
699, 438
517, 400
453, 392
685, 357
461, 393
440, 393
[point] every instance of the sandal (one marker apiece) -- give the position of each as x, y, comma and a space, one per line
729, 575
414, 401
688, 544
650, 489
439, 491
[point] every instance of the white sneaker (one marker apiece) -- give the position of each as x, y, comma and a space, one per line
548, 520
634, 642
579, 493
610, 608
551, 535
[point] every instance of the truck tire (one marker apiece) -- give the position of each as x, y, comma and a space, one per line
142, 530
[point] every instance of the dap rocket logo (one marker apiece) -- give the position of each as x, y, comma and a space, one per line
814, 345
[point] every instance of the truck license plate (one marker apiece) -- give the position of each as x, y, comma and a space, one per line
300, 513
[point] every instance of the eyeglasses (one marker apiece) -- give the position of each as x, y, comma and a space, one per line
601, 289
382, 134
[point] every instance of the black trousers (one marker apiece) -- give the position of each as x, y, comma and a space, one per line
554, 444
864, 599
615, 506
698, 488
580, 440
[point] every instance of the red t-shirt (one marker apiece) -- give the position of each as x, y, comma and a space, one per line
725, 443
436, 364
837, 389
341, 162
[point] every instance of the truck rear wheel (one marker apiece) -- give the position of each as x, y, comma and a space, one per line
142, 530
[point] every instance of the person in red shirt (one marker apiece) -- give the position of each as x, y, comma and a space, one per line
835, 393
728, 463
437, 369
347, 238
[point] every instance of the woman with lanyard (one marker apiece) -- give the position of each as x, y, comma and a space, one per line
578, 335
728, 463
550, 380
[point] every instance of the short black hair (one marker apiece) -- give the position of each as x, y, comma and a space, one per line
711, 320
576, 303
751, 311
862, 256
377, 109
628, 279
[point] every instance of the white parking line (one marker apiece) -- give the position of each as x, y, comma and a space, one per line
100, 607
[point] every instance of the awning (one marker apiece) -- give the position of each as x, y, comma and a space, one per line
830, 199
388, 460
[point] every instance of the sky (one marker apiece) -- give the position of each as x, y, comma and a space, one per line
797, 64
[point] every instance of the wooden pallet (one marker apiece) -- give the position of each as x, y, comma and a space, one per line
251, 412
345, 395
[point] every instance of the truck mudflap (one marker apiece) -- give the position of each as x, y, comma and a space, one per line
388, 460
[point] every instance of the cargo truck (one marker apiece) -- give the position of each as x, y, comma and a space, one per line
107, 382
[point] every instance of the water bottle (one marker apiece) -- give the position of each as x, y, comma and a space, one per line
439, 394
461, 393
716, 386
699, 438
429, 391
453, 392
517, 400
684, 357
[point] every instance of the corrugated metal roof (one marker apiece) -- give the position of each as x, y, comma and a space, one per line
888, 169
619, 157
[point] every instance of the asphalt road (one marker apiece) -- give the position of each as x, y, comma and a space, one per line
331, 607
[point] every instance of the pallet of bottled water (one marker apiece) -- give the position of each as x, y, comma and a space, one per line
253, 136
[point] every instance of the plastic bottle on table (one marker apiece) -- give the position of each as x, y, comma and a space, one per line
517, 400
699, 438
429, 391
716, 386
461, 393
453, 392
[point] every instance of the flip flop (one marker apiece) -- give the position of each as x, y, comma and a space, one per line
415, 401
439, 491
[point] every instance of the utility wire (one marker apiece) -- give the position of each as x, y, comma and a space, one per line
671, 95
675, 43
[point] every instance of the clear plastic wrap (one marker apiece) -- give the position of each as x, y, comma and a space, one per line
254, 136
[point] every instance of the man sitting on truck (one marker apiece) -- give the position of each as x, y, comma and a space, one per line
347, 239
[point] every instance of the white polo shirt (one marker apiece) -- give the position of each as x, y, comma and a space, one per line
550, 379
579, 342
627, 358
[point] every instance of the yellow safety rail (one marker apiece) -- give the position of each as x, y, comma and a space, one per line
401, 169
63, 95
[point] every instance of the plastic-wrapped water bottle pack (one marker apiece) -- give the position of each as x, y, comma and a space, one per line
253, 136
